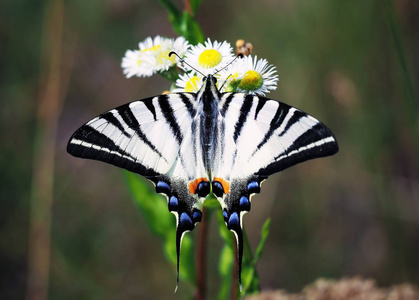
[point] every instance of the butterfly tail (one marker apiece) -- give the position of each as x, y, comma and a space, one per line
178, 245
238, 232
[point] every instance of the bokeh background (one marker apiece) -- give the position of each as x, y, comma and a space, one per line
352, 64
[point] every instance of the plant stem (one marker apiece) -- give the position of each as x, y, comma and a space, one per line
201, 265
188, 6
235, 284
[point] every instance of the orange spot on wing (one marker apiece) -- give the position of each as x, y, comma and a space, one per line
193, 185
224, 183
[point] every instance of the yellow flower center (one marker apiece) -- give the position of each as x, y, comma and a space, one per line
164, 56
192, 84
210, 58
154, 48
233, 77
251, 81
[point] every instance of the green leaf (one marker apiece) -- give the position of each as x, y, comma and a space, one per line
175, 15
265, 233
183, 23
226, 262
225, 268
250, 278
195, 5
163, 224
226, 234
187, 268
191, 30
212, 203
152, 206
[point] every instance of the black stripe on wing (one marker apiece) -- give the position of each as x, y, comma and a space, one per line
88, 143
227, 102
168, 114
129, 118
110, 118
317, 141
275, 123
244, 112
186, 99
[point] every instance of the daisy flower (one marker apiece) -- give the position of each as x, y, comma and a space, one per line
209, 57
250, 75
188, 82
136, 63
153, 56
162, 60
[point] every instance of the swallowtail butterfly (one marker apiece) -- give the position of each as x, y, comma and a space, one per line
189, 144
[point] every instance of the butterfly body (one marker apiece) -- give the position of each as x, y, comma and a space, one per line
190, 144
208, 119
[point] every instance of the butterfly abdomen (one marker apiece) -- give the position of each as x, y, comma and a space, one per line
208, 111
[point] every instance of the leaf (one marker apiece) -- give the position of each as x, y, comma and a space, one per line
152, 205
187, 269
174, 13
195, 5
226, 234
183, 23
250, 278
265, 233
212, 203
191, 30
225, 268
163, 224
227, 256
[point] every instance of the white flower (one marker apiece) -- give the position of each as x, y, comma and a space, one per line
160, 52
251, 76
210, 57
188, 82
136, 63
153, 56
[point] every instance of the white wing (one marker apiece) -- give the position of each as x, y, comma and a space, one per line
259, 137
156, 138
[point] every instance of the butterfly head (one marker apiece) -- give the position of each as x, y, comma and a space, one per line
209, 84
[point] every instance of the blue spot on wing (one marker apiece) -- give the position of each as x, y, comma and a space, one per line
185, 222
162, 187
244, 203
173, 203
217, 189
203, 189
233, 221
225, 215
197, 216
253, 187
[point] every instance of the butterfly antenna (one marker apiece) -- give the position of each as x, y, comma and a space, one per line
238, 56
225, 81
183, 61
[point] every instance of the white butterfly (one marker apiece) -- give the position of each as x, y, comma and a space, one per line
190, 144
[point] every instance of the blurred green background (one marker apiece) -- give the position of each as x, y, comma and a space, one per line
352, 64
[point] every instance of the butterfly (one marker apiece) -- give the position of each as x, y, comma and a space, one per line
192, 144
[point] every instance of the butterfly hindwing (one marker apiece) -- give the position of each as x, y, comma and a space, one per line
155, 138
260, 137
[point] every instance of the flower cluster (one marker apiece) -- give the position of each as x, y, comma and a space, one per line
153, 56
247, 74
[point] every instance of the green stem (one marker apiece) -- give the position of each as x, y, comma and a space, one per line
201, 266
235, 291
